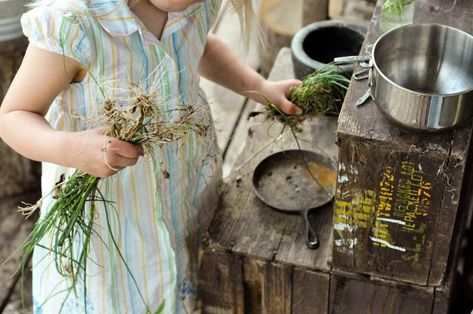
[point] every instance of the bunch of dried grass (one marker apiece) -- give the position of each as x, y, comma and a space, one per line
321, 93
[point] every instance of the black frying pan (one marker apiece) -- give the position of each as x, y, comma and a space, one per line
282, 181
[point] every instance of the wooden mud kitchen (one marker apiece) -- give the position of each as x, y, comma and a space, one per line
390, 240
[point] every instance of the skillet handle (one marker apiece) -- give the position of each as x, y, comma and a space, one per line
312, 240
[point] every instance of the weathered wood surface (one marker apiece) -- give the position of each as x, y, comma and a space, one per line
352, 294
17, 174
277, 289
221, 283
398, 191
310, 291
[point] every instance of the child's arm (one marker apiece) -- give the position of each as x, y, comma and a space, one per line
221, 65
40, 78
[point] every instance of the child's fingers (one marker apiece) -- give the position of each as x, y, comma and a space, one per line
291, 85
290, 108
116, 161
124, 149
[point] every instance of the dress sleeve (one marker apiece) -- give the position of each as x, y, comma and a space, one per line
58, 32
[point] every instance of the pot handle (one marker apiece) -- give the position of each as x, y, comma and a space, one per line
312, 240
362, 74
372, 78
351, 59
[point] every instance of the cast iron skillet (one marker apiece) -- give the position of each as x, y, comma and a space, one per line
282, 181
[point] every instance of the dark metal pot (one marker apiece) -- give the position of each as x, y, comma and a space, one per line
422, 76
316, 44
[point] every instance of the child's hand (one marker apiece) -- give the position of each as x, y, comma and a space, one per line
277, 92
99, 155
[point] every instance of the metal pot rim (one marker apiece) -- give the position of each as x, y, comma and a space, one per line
383, 37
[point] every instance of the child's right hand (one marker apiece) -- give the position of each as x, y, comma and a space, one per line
99, 155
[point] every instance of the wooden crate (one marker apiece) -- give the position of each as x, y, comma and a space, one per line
398, 207
255, 259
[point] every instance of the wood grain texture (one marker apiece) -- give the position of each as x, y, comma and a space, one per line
350, 294
221, 283
277, 289
253, 273
310, 291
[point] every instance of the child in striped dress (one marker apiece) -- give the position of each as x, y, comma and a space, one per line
79, 49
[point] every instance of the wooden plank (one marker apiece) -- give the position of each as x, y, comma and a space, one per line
448, 294
221, 283
355, 294
454, 196
293, 250
385, 213
310, 291
277, 289
253, 271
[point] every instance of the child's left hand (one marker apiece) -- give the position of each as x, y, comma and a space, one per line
277, 92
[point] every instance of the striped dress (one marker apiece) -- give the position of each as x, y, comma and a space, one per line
163, 203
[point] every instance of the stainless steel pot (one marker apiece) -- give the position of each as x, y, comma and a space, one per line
422, 76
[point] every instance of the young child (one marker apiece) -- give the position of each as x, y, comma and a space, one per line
161, 207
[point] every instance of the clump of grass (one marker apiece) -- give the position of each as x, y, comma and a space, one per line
69, 221
320, 94
392, 8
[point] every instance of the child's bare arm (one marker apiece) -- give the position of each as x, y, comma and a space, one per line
41, 77
221, 65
